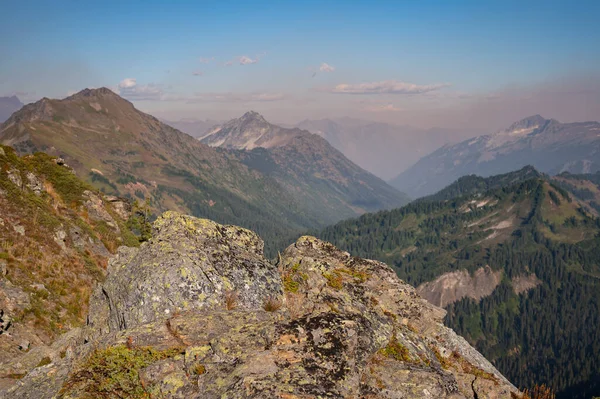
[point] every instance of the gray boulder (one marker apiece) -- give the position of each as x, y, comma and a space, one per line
189, 263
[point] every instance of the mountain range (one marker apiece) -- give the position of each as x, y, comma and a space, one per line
306, 165
548, 145
513, 259
9, 105
125, 152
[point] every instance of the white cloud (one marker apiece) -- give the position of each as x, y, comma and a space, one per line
204, 60
385, 87
127, 83
129, 89
325, 67
197, 73
245, 60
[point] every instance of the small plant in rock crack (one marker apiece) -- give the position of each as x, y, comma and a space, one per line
272, 304
231, 300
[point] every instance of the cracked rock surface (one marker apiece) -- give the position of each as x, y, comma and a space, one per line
214, 319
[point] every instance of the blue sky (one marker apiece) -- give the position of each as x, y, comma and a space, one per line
398, 61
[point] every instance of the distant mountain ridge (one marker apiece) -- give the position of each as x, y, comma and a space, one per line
550, 146
125, 152
473, 184
306, 164
9, 105
249, 131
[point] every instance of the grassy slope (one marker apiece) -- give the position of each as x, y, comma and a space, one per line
36, 257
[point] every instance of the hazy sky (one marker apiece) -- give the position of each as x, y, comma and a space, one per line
426, 63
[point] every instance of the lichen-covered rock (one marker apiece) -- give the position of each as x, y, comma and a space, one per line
319, 324
189, 263
421, 357
15, 177
34, 183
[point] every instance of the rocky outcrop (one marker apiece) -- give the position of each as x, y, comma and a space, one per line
94, 204
454, 286
189, 263
318, 324
120, 205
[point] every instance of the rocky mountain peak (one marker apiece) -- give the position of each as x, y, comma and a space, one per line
91, 93
526, 125
222, 321
12, 100
253, 116
9, 105
99, 97
249, 131
46, 109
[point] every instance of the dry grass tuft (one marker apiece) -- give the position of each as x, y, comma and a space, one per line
539, 392
272, 304
231, 300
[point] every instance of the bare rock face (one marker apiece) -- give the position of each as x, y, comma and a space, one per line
97, 211
319, 324
121, 206
189, 263
454, 286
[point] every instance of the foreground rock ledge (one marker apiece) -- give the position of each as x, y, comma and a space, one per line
202, 314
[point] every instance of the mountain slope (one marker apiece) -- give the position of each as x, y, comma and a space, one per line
473, 184
56, 234
550, 146
382, 149
9, 105
306, 165
516, 266
585, 187
124, 151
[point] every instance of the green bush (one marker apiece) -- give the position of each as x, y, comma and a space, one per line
113, 372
